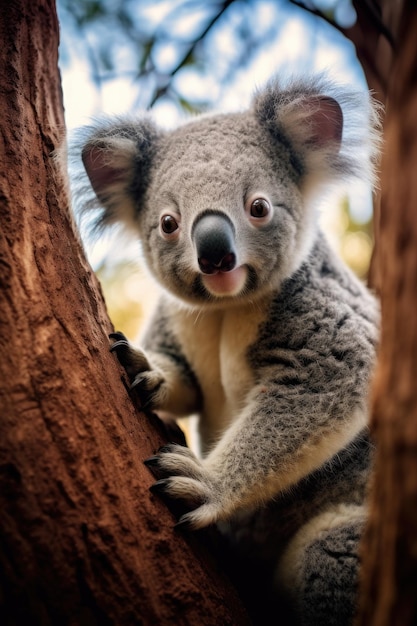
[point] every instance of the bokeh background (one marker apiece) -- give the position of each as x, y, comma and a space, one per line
182, 57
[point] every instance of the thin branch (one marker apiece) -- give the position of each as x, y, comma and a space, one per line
371, 10
162, 90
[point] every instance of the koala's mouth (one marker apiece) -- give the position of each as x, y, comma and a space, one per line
223, 283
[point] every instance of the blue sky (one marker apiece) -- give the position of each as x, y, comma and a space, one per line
294, 42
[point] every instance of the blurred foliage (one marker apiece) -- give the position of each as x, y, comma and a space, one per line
356, 242
130, 294
353, 239
156, 43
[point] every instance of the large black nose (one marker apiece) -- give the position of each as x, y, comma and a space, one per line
214, 239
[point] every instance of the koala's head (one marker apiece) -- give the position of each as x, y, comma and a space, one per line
222, 204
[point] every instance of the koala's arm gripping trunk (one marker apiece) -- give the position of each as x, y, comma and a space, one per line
269, 448
308, 404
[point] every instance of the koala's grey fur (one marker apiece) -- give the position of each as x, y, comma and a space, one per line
272, 342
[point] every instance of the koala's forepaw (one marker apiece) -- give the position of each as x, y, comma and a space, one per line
147, 381
150, 388
183, 477
133, 360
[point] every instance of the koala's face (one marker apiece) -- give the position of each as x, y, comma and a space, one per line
222, 203
222, 219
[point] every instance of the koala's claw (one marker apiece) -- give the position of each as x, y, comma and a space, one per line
124, 351
160, 486
147, 385
183, 524
140, 378
118, 335
153, 460
182, 477
145, 379
121, 345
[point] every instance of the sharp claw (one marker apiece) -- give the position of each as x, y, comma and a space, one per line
137, 381
145, 406
153, 460
118, 344
183, 524
160, 486
117, 335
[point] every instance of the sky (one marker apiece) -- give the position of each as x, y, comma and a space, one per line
301, 45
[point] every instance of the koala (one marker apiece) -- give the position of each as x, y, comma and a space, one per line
261, 330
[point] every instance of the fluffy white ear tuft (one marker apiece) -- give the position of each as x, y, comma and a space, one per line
108, 164
331, 133
117, 157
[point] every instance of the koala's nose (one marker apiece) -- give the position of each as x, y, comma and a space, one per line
214, 239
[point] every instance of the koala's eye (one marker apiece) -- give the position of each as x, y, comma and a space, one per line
169, 224
260, 208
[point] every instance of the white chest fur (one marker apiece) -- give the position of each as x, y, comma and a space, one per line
215, 344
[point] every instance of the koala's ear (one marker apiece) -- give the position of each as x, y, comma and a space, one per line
331, 132
117, 158
323, 119
108, 162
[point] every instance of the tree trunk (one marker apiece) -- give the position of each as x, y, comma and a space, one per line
82, 541
390, 545
374, 36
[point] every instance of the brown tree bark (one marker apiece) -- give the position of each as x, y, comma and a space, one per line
82, 541
389, 585
373, 36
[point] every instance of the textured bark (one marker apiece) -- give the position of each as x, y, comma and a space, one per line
390, 546
82, 541
374, 37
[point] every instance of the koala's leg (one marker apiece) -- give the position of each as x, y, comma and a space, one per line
320, 567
